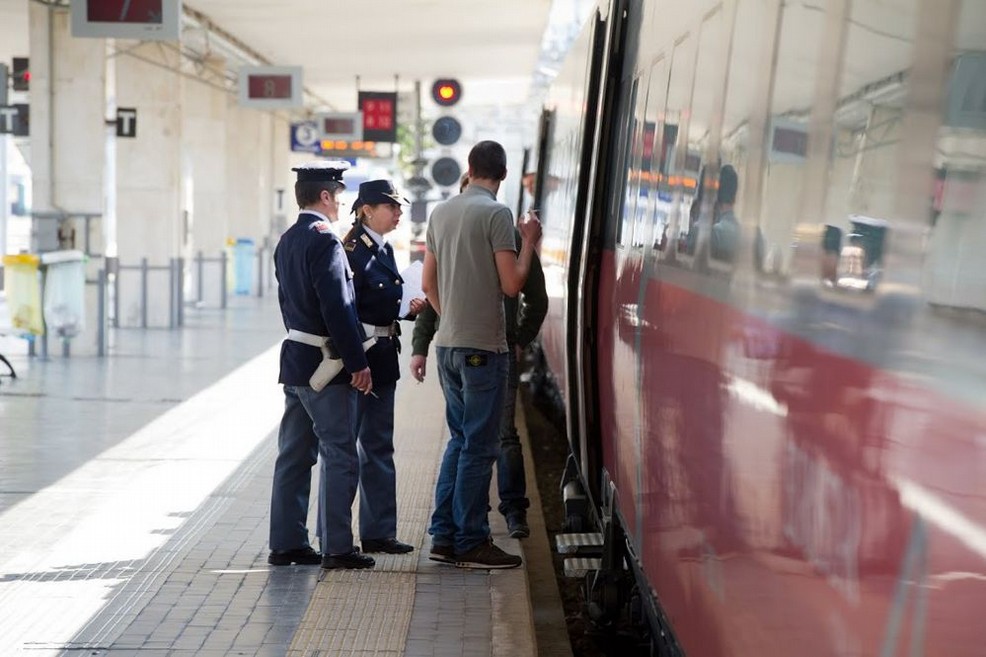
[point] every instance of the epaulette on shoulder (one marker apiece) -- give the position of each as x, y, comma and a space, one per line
350, 245
321, 226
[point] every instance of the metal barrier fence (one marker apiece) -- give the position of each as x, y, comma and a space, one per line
107, 282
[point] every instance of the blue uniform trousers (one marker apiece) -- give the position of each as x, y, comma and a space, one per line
473, 405
377, 474
323, 424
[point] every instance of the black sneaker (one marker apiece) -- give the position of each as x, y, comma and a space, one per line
354, 559
305, 556
517, 526
487, 556
442, 553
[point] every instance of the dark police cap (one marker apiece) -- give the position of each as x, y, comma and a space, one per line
321, 171
373, 192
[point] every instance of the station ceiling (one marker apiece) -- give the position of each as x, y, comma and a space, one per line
372, 45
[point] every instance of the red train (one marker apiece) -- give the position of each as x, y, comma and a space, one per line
764, 237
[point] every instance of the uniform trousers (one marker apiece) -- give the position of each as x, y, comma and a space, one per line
377, 474
315, 426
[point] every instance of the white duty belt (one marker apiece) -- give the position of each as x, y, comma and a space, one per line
307, 338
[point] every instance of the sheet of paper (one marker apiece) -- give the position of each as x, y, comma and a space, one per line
412, 286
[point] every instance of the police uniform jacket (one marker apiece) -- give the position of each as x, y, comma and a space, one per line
315, 290
379, 288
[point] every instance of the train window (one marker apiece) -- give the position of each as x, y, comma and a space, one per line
675, 147
861, 189
782, 223
636, 189
619, 181
955, 270
747, 95
710, 212
660, 200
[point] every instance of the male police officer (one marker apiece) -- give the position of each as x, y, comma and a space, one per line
316, 297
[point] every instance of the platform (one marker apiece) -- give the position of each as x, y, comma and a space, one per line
134, 499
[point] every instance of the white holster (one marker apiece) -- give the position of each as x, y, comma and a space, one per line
329, 367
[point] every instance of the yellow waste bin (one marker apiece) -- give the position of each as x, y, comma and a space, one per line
23, 286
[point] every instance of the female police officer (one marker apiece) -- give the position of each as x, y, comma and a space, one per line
379, 288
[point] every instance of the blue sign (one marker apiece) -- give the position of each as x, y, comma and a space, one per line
305, 137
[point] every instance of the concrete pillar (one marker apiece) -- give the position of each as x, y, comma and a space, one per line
282, 202
149, 191
67, 146
206, 191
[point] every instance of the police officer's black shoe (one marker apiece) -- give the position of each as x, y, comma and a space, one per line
354, 559
388, 545
305, 556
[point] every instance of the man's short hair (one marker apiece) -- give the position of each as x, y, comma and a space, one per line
488, 160
307, 193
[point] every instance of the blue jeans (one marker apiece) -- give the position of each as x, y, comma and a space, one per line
323, 424
510, 479
474, 382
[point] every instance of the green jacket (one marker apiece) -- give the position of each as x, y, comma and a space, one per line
524, 313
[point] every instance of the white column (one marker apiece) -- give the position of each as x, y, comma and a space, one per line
67, 145
204, 132
149, 199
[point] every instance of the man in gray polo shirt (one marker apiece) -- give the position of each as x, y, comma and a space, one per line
470, 263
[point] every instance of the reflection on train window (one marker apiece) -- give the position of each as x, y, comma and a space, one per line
656, 157
781, 225
704, 132
619, 180
955, 269
861, 190
747, 91
642, 140
675, 133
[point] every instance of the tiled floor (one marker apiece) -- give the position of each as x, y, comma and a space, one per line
133, 513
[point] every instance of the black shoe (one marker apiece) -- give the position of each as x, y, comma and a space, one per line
517, 525
305, 556
388, 545
352, 559
487, 556
442, 553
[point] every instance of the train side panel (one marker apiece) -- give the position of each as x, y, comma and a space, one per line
792, 394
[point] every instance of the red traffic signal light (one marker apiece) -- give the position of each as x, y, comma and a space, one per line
446, 92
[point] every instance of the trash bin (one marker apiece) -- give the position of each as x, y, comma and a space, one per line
23, 287
243, 257
65, 292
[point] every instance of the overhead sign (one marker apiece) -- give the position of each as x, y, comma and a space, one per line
146, 20
15, 119
340, 126
270, 87
305, 137
126, 122
379, 115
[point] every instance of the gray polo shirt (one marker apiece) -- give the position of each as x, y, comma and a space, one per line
463, 234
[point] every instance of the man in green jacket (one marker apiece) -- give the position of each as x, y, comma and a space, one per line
524, 315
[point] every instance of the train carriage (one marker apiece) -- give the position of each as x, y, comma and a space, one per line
763, 228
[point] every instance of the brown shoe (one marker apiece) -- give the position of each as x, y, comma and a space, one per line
487, 556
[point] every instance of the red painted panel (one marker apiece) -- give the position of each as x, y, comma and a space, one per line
788, 496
